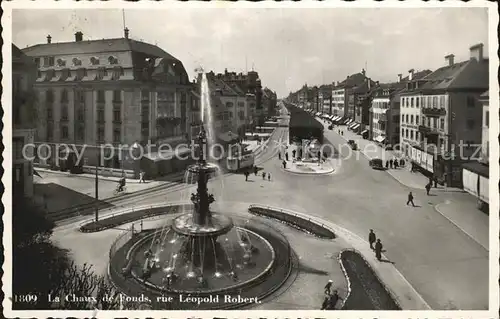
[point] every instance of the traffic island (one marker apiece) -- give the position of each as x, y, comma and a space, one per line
365, 290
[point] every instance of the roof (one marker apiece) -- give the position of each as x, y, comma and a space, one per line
96, 46
478, 168
352, 80
19, 57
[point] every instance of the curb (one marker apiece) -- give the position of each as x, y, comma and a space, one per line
307, 174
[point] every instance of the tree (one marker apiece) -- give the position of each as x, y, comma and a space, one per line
40, 268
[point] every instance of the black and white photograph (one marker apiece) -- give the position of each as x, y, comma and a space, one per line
326, 159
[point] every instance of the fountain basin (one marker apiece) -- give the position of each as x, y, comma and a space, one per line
218, 224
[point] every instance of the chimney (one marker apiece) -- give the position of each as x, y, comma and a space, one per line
126, 31
410, 77
450, 59
78, 36
476, 52
225, 71
49, 39
363, 72
400, 77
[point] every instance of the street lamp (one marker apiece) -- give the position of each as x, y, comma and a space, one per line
98, 157
135, 147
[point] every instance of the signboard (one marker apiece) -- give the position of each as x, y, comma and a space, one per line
484, 189
430, 163
419, 157
470, 182
413, 154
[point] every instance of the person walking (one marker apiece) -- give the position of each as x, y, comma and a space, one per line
332, 301
328, 287
428, 188
141, 177
435, 182
326, 302
402, 162
386, 164
293, 153
378, 250
396, 163
269, 177
246, 176
255, 170
372, 238
279, 155
264, 176
284, 164
286, 156
410, 199
390, 163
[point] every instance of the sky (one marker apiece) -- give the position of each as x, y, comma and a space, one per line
288, 47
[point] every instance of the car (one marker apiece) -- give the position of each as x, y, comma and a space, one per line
376, 163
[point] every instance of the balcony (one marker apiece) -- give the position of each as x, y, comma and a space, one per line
427, 130
433, 111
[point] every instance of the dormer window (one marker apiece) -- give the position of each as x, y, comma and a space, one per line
94, 60
61, 62
112, 59
77, 62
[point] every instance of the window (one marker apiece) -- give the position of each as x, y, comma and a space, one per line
470, 124
417, 120
117, 96
411, 134
434, 122
471, 101
229, 105
80, 115
441, 124
101, 96
49, 113
434, 101
406, 134
50, 131
100, 133
80, 132
144, 95
428, 121
411, 102
48, 61
64, 96
64, 112
417, 102
64, 132
411, 119
441, 101
117, 135
487, 118
37, 62
117, 115
406, 119
49, 97
429, 101
241, 104
100, 115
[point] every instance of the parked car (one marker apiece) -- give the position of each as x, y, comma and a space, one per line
376, 163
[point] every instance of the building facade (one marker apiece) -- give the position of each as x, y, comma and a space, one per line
441, 118
24, 121
113, 92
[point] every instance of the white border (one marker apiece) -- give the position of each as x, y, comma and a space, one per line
493, 312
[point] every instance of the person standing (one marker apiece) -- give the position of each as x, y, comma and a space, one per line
246, 176
328, 287
284, 164
264, 176
269, 177
293, 153
255, 170
279, 155
435, 182
410, 199
386, 164
378, 250
428, 188
372, 238
396, 163
390, 163
332, 301
326, 302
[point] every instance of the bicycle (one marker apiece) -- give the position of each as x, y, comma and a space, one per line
118, 191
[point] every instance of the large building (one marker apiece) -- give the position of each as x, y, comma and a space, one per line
441, 116
114, 92
325, 95
385, 109
24, 120
345, 95
269, 102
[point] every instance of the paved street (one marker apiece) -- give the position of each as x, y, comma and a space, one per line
434, 255
430, 251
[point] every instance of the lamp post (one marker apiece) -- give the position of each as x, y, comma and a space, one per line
98, 157
135, 147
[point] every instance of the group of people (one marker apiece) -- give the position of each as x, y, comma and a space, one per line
331, 297
256, 171
395, 163
428, 186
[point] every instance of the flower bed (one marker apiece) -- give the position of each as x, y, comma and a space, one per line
114, 221
295, 221
366, 291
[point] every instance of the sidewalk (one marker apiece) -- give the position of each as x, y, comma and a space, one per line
59, 190
464, 214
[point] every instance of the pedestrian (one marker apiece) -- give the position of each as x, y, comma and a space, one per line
293, 153
279, 155
386, 164
255, 170
326, 302
332, 301
412, 167
246, 176
269, 177
284, 164
264, 176
410, 199
372, 238
390, 163
328, 286
396, 164
286, 156
378, 250
428, 188
435, 182
402, 162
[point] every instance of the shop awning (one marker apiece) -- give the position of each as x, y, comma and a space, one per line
352, 124
348, 122
379, 138
355, 126
365, 131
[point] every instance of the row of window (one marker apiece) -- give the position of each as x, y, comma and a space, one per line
100, 74
380, 105
80, 96
424, 101
51, 61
